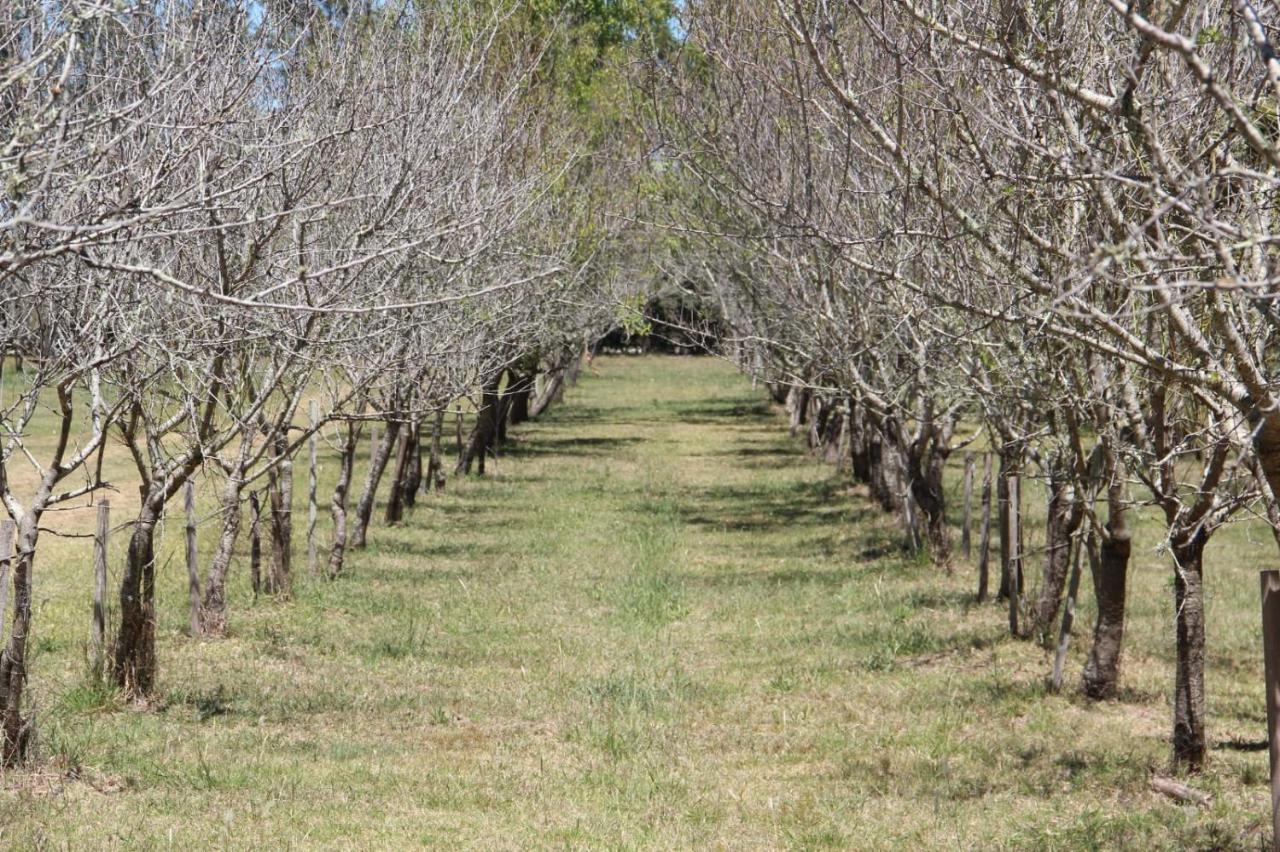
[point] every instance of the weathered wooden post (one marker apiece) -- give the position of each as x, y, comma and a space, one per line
984, 541
193, 565
313, 510
968, 504
1270, 581
97, 638
1014, 565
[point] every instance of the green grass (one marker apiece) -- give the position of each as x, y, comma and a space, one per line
661, 625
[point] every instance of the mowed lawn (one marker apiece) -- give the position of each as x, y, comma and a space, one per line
659, 625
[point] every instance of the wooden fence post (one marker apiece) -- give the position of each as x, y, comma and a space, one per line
313, 510
1014, 565
984, 541
97, 638
1270, 581
968, 504
193, 564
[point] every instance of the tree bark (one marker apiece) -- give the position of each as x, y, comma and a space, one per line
435, 463
550, 393
833, 435
413, 476
859, 450
377, 466
396, 500
1063, 518
927, 487
820, 415
338, 506
797, 408
887, 486
193, 565
502, 413
1109, 567
519, 389
313, 474
280, 502
484, 433
1189, 702
13, 662
213, 614
135, 652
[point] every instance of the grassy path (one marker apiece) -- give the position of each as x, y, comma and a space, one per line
659, 626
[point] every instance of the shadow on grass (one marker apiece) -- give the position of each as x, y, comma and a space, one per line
712, 412
466, 551
543, 446
745, 508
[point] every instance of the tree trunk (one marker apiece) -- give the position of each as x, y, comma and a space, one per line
1109, 567
435, 464
886, 483
797, 408
135, 652
13, 662
820, 415
1061, 522
859, 449
550, 393
520, 387
193, 565
400, 478
572, 370
485, 431
502, 412
928, 490
377, 466
280, 502
313, 474
213, 614
833, 436
1189, 703
338, 506
413, 476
